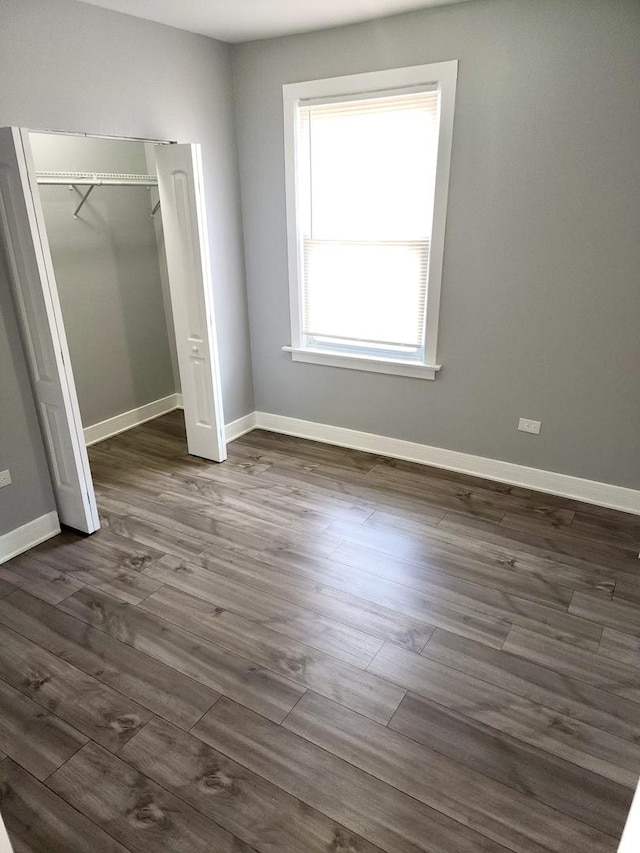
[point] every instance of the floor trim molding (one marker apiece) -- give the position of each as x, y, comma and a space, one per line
127, 420
120, 423
28, 535
564, 485
241, 426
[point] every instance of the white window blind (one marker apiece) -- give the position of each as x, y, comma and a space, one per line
366, 184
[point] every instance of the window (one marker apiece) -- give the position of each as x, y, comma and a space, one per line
367, 168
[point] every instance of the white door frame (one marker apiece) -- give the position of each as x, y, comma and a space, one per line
206, 302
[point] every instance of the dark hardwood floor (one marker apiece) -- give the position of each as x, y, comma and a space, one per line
308, 649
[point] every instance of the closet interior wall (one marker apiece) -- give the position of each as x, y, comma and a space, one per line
111, 276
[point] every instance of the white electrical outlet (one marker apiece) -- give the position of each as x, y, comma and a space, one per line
5, 478
527, 425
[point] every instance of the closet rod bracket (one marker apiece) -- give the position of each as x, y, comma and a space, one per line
84, 198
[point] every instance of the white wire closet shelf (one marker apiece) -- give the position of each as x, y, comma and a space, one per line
96, 179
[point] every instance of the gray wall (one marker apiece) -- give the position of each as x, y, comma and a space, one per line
108, 274
541, 298
150, 157
72, 67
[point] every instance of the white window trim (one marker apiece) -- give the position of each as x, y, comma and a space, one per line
445, 75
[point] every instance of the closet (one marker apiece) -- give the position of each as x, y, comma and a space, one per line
108, 257
98, 198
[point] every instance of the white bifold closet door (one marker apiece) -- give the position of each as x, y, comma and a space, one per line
36, 296
184, 222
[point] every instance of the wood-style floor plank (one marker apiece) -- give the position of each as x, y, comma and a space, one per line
499, 812
613, 614
121, 553
308, 649
220, 534
619, 528
628, 591
528, 550
382, 814
588, 667
239, 484
443, 494
560, 546
234, 676
150, 683
36, 739
545, 685
105, 566
468, 489
313, 452
217, 498
289, 576
79, 699
39, 821
548, 519
334, 481
355, 688
39, 579
457, 605
134, 809
456, 576
245, 804
323, 584
620, 646
258, 605
142, 532
547, 729
261, 513
586, 796
563, 540
495, 562
453, 611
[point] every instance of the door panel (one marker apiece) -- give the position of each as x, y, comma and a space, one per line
36, 298
182, 206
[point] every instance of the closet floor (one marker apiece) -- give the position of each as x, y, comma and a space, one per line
311, 649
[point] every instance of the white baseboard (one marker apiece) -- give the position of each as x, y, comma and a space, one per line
135, 417
28, 536
240, 426
232, 430
127, 420
564, 485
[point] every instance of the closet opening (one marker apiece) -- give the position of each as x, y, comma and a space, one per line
108, 257
114, 296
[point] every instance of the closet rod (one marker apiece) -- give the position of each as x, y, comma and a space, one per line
96, 179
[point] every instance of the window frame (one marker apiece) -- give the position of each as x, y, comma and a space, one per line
442, 74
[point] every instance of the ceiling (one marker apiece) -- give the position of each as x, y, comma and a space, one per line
246, 20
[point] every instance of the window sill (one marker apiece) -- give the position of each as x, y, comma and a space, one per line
367, 363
